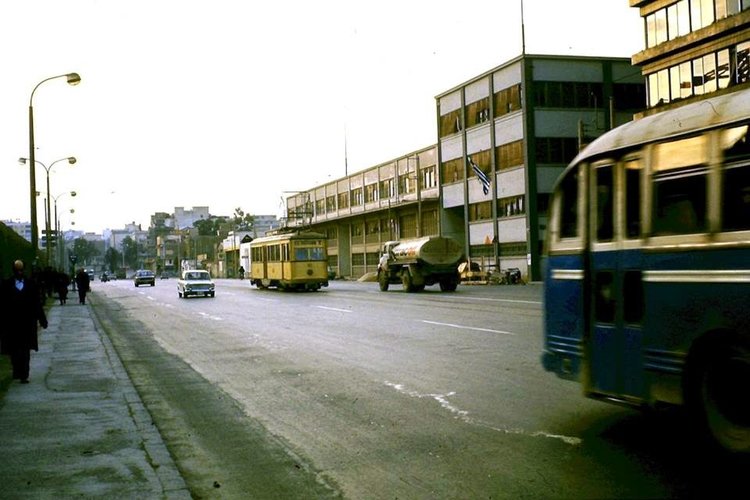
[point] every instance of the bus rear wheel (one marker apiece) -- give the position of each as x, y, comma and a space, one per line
718, 398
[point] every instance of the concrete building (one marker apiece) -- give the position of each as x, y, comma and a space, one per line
503, 138
264, 223
516, 127
186, 218
396, 199
694, 49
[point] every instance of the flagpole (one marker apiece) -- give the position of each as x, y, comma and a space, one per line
523, 33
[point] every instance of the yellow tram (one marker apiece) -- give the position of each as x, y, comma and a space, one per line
293, 261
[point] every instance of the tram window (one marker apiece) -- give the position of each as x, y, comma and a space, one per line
604, 297
604, 204
569, 205
633, 198
309, 253
736, 199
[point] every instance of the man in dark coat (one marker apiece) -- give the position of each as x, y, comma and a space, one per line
22, 310
83, 281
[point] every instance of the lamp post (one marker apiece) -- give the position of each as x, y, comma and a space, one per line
48, 219
57, 226
73, 79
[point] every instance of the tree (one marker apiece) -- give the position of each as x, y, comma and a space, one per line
84, 250
242, 221
130, 249
113, 259
209, 227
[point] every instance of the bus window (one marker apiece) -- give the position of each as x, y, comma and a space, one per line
633, 198
736, 198
604, 282
605, 203
680, 187
569, 205
632, 295
736, 183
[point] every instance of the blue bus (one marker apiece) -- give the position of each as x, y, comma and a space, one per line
647, 267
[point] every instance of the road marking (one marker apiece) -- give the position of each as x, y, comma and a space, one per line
334, 309
208, 316
467, 327
463, 416
512, 301
149, 297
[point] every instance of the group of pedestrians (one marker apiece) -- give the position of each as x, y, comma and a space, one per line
22, 312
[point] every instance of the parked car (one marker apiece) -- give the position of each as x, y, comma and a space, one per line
195, 282
144, 277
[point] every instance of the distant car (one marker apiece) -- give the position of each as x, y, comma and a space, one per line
195, 282
144, 277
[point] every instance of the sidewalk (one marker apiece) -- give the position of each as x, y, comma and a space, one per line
79, 429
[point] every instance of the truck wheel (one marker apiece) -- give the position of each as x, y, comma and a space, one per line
716, 402
406, 282
448, 286
383, 281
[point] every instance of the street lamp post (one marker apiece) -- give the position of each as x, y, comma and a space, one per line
57, 227
73, 79
48, 219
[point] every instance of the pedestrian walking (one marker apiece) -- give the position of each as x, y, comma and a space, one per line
62, 281
21, 311
83, 282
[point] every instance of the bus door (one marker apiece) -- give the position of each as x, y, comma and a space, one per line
615, 342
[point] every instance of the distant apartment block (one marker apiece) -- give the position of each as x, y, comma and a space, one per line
693, 49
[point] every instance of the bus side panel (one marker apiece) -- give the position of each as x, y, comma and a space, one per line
688, 294
565, 319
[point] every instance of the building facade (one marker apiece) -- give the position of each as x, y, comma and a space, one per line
693, 49
503, 139
506, 135
358, 213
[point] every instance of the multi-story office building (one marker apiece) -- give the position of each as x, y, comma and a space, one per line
503, 139
694, 48
394, 200
506, 135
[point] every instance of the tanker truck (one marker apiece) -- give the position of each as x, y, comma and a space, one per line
420, 262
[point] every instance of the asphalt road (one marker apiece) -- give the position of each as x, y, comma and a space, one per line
354, 392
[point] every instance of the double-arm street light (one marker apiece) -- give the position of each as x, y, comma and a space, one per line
57, 225
73, 79
48, 219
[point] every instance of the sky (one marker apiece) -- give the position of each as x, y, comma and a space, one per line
234, 104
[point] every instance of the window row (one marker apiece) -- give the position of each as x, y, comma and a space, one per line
506, 207
402, 227
702, 75
372, 192
626, 96
507, 156
503, 249
556, 149
686, 16
505, 101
